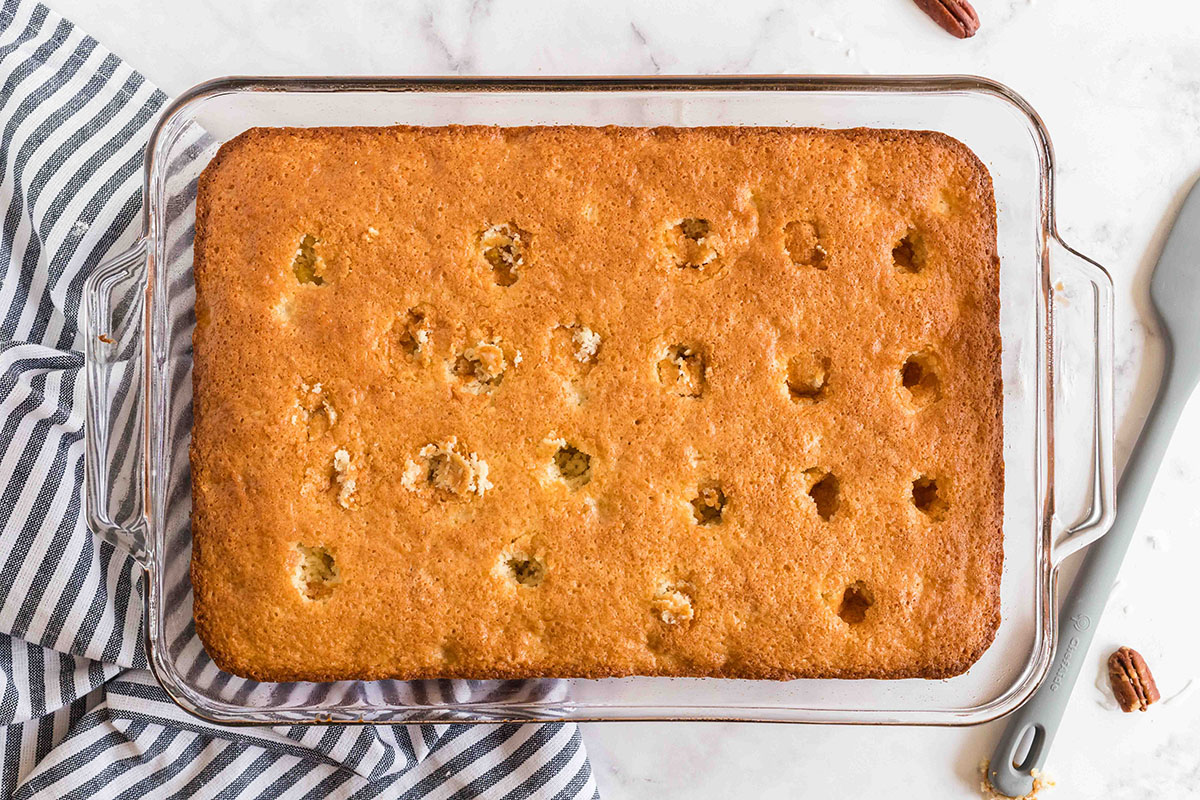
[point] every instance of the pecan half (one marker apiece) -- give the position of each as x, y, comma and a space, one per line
1131, 680
955, 16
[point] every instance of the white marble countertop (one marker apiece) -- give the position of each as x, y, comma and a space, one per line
1118, 85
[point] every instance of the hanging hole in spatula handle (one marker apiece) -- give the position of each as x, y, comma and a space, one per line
1025, 748
1084, 415
114, 430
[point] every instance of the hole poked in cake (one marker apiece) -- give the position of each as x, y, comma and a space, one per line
807, 378
447, 470
505, 248
708, 506
572, 465
673, 603
681, 369
521, 564
909, 254
307, 264
919, 379
802, 240
316, 572
410, 333
524, 569
314, 410
856, 600
480, 368
450, 651
692, 243
824, 489
929, 496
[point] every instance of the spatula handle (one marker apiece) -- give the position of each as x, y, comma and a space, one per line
1040, 716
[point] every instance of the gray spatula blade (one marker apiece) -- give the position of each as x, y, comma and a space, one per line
1175, 292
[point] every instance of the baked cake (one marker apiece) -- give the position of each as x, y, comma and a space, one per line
562, 401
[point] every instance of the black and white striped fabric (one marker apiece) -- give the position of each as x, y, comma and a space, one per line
80, 714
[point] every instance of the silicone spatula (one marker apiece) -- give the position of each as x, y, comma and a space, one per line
1175, 295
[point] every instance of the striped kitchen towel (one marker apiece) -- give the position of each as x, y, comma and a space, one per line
81, 715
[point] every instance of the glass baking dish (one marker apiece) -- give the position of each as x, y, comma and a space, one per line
1056, 329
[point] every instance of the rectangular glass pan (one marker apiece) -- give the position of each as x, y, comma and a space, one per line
1057, 373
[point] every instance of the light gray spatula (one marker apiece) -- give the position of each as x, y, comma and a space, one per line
1175, 293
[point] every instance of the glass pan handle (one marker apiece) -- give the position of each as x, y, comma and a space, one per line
114, 431
1076, 276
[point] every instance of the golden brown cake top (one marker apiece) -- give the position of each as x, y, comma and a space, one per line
484, 402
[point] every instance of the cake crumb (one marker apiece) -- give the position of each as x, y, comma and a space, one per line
1040, 782
344, 479
480, 467
411, 474
673, 605
576, 348
588, 342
